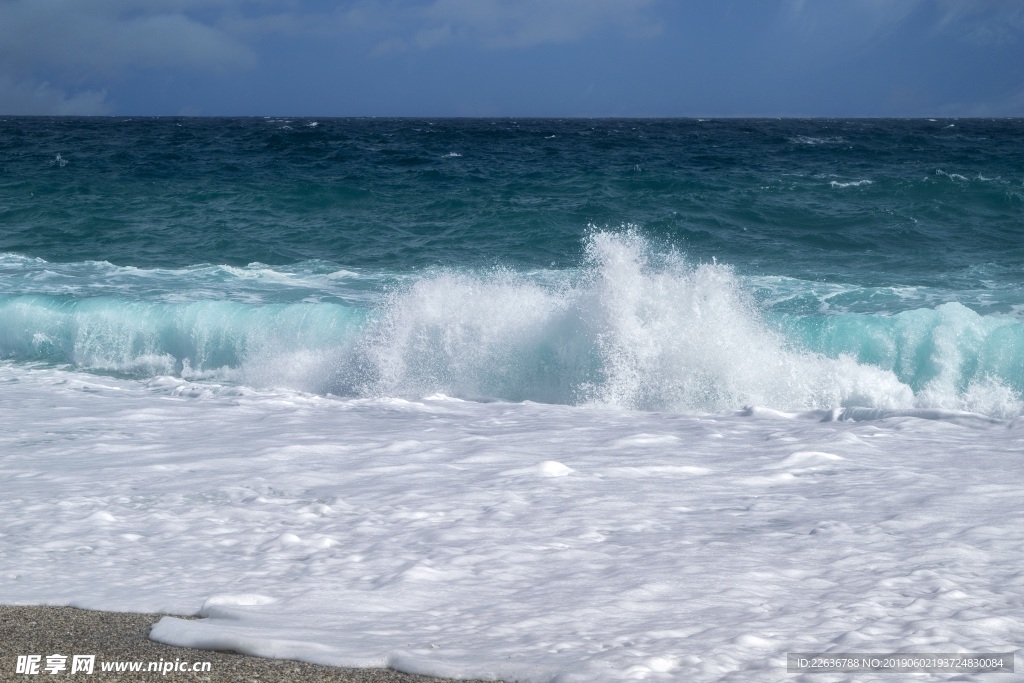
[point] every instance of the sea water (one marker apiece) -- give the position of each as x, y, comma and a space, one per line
566, 400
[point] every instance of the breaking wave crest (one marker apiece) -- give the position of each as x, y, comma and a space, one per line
635, 328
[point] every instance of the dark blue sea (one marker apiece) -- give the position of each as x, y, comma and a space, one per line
679, 265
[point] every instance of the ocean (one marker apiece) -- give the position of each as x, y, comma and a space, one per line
548, 400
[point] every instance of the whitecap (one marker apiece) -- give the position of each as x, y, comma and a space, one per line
810, 140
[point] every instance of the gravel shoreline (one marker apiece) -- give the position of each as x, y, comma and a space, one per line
124, 637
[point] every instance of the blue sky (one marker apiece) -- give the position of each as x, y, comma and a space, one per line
513, 57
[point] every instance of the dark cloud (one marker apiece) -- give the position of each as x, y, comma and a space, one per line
80, 43
510, 57
90, 38
983, 22
525, 23
41, 98
501, 24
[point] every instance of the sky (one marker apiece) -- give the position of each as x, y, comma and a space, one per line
518, 58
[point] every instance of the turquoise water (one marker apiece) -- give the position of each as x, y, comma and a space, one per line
656, 264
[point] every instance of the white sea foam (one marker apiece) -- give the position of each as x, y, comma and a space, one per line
851, 183
811, 140
254, 283
648, 331
530, 542
675, 337
951, 176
